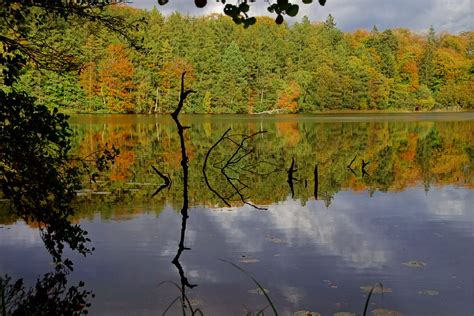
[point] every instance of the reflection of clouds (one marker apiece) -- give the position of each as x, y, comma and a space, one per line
19, 234
292, 294
450, 202
202, 275
330, 230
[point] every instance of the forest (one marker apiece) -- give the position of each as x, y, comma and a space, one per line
265, 68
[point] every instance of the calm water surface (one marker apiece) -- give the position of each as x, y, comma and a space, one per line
406, 219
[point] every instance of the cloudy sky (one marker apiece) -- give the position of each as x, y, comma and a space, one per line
445, 15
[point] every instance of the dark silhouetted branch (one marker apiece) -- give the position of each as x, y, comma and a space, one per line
164, 185
204, 166
182, 97
349, 166
291, 171
362, 168
233, 164
316, 182
184, 210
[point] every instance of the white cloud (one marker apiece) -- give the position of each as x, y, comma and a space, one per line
445, 15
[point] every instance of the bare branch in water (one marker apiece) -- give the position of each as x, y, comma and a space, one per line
164, 185
316, 182
232, 164
364, 164
292, 170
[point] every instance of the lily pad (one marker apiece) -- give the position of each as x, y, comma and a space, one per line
258, 291
428, 292
385, 312
305, 313
196, 302
415, 264
377, 289
275, 240
249, 260
330, 284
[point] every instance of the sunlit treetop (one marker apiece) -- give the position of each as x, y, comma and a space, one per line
239, 11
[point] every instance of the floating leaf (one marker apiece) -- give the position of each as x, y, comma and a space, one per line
415, 264
428, 292
377, 289
385, 312
275, 240
305, 313
249, 260
196, 302
162, 2
258, 291
307, 1
322, 2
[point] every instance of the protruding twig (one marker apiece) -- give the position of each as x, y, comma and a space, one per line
316, 182
164, 185
349, 166
364, 164
205, 165
291, 171
182, 97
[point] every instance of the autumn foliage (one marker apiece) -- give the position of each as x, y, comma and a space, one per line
116, 84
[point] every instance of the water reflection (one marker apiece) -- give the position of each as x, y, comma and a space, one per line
383, 156
311, 254
308, 257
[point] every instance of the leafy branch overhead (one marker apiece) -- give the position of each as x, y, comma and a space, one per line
239, 11
32, 29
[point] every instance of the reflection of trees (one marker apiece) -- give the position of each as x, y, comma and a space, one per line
331, 145
37, 176
427, 154
232, 166
40, 182
49, 296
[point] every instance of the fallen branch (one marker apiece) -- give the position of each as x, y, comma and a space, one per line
232, 163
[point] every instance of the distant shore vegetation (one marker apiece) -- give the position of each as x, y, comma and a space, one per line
266, 68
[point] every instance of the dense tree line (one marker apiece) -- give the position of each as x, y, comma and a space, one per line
305, 67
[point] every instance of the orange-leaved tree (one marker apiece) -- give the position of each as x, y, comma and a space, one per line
115, 80
288, 99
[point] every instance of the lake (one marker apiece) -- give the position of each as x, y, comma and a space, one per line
318, 209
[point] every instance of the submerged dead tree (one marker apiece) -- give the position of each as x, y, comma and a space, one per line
316, 182
291, 171
232, 167
184, 210
166, 179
